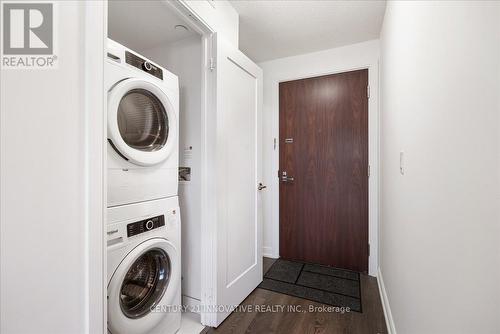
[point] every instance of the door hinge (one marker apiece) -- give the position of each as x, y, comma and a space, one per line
369, 171
211, 64
368, 249
368, 91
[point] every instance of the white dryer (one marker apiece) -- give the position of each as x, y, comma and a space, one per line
143, 123
144, 268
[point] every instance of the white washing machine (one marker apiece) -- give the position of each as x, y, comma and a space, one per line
144, 268
143, 123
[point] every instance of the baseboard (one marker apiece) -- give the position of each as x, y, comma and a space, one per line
191, 303
268, 252
391, 328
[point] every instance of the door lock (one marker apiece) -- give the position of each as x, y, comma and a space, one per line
261, 186
286, 178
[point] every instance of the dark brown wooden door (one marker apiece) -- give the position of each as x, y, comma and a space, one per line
324, 148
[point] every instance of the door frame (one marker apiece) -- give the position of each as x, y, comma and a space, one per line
208, 168
373, 158
210, 282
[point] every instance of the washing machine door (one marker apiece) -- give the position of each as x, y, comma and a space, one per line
142, 289
141, 122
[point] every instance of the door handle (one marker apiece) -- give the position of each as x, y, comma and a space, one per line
261, 186
286, 178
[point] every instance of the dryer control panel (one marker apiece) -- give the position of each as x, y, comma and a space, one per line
145, 225
143, 65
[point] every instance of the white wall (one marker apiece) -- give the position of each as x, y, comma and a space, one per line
357, 56
440, 222
184, 58
52, 199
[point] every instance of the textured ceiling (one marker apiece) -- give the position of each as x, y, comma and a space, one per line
275, 29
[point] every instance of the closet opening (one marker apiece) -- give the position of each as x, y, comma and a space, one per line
167, 35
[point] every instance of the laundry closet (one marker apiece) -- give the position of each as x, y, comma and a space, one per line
159, 34
220, 97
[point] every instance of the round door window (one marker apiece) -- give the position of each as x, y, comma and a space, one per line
142, 120
145, 283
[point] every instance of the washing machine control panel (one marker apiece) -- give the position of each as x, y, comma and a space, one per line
145, 225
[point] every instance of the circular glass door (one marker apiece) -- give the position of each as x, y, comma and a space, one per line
142, 121
145, 283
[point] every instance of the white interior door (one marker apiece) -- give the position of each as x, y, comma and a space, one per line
238, 226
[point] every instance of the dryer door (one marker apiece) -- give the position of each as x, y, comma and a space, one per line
141, 122
143, 287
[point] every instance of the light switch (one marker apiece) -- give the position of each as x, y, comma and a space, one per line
402, 163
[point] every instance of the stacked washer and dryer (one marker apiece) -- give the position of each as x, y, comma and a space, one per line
143, 223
